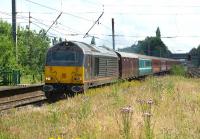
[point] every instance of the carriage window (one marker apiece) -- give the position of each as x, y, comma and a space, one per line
96, 67
147, 63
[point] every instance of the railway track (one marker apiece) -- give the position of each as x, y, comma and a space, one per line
19, 96
194, 72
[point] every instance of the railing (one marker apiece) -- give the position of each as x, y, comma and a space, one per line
9, 77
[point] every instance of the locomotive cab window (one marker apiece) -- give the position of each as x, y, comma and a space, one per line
96, 66
68, 56
62, 55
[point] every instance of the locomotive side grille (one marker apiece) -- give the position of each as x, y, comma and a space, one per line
108, 67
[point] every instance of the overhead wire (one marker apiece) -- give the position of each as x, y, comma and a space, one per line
36, 24
120, 13
58, 31
73, 30
22, 17
63, 12
83, 18
77, 12
51, 34
156, 14
152, 5
5, 13
76, 16
77, 33
94, 3
40, 21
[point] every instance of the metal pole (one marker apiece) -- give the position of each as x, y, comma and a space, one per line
148, 48
29, 27
113, 33
29, 21
14, 31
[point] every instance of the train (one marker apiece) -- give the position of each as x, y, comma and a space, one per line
72, 67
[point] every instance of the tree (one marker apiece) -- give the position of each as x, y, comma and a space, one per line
7, 55
152, 46
195, 56
193, 51
32, 47
198, 50
60, 39
158, 33
54, 40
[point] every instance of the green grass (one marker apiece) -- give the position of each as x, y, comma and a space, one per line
98, 113
32, 79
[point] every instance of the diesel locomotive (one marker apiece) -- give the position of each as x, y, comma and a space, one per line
73, 66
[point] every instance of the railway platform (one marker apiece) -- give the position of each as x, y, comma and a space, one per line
19, 86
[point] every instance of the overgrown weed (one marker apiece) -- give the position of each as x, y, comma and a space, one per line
174, 113
85, 108
127, 113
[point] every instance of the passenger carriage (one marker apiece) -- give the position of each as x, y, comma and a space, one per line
128, 65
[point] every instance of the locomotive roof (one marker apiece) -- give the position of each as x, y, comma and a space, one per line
94, 50
88, 49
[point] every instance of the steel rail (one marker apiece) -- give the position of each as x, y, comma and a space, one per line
18, 96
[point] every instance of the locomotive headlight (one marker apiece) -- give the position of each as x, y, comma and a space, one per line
48, 78
77, 78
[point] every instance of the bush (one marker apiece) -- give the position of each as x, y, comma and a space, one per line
178, 70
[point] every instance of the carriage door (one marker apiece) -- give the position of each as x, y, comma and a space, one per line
88, 67
96, 66
91, 67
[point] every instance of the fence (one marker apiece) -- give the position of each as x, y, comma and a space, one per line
9, 77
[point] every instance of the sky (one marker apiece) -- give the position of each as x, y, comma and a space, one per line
178, 20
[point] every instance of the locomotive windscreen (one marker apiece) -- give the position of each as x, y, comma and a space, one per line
68, 56
64, 55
